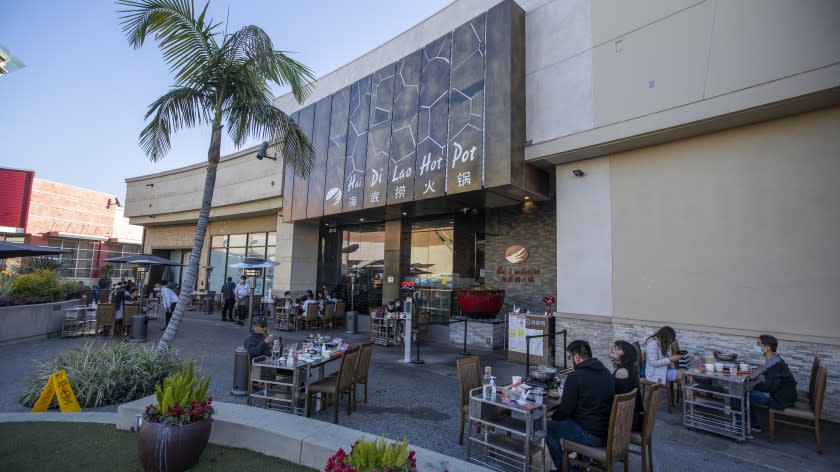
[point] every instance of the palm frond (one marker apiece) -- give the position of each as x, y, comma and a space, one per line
187, 42
180, 107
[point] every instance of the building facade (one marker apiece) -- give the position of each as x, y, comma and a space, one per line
658, 162
88, 223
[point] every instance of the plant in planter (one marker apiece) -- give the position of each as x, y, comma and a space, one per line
176, 429
373, 456
480, 301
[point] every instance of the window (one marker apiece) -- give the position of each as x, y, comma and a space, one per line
226, 250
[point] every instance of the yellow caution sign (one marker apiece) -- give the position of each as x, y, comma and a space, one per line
57, 385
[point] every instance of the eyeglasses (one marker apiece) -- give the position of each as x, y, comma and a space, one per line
616, 348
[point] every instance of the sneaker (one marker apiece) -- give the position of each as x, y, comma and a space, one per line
756, 428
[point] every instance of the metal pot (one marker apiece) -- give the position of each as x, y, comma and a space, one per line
542, 372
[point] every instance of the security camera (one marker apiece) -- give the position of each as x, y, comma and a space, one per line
263, 152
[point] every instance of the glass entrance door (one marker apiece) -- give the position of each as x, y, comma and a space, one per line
362, 266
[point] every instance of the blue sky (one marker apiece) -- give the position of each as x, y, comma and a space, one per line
74, 112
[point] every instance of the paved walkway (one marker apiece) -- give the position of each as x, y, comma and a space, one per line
420, 401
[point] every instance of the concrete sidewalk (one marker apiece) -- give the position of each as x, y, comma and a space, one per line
420, 402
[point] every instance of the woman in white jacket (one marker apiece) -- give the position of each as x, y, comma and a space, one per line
659, 365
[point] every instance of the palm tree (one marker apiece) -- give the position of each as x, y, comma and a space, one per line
220, 79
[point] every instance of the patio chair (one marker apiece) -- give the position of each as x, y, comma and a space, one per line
362, 369
644, 438
468, 370
336, 385
806, 397
124, 325
104, 295
311, 317
329, 315
339, 313
106, 316
807, 417
618, 438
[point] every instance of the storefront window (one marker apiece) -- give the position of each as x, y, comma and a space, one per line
432, 244
230, 249
363, 255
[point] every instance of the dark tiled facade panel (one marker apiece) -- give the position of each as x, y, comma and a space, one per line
320, 143
357, 131
404, 129
379, 136
289, 184
336, 152
301, 190
430, 176
466, 108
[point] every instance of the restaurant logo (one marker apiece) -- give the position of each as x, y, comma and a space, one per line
516, 254
334, 196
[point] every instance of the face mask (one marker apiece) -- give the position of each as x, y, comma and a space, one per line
757, 349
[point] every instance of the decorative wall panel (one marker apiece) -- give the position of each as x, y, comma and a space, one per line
336, 152
431, 163
301, 190
404, 129
466, 108
320, 143
379, 136
357, 131
289, 184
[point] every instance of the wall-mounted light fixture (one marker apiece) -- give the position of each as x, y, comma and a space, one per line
578, 173
263, 152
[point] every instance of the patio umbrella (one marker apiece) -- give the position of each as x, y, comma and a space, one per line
9, 250
252, 263
142, 259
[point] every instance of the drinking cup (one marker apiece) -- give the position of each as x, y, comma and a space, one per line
516, 380
538, 397
710, 367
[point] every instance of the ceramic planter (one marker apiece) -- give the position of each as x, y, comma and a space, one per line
172, 448
480, 303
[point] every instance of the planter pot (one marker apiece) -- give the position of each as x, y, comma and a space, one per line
481, 304
172, 448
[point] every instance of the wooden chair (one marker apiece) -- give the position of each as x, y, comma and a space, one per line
618, 438
336, 385
362, 369
311, 317
329, 315
674, 387
806, 397
807, 417
106, 317
340, 308
124, 325
644, 438
468, 370
104, 294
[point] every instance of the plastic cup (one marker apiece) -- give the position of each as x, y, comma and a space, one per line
710, 367
516, 380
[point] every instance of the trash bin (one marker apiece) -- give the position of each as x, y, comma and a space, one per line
240, 372
352, 322
138, 329
209, 302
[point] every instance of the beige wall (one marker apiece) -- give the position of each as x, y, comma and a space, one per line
737, 229
617, 70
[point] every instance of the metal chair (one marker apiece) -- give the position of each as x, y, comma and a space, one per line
644, 438
618, 438
808, 417
468, 370
336, 385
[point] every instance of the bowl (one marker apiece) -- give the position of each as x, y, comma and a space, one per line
725, 357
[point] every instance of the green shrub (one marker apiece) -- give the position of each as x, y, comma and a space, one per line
378, 455
5, 286
40, 283
106, 374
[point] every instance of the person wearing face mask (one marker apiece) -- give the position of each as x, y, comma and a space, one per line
583, 415
774, 386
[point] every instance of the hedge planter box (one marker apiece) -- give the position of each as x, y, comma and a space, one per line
27, 322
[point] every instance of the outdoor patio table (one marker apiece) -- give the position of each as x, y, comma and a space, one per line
717, 402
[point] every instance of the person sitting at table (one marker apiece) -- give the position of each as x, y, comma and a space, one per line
133, 294
258, 342
328, 300
583, 415
242, 295
287, 299
626, 375
774, 386
310, 300
659, 365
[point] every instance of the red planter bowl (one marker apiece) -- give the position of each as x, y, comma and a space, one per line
481, 304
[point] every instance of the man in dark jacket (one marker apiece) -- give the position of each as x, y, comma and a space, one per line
259, 342
775, 387
584, 412
229, 298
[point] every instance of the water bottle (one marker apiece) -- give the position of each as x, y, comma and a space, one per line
275, 350
486, 382
492, 389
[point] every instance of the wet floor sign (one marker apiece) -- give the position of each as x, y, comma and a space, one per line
59, 386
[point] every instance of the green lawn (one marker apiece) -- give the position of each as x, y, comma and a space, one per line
100, 447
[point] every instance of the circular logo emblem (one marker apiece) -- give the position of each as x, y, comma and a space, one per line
516, 254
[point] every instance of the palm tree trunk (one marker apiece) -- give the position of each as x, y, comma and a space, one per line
191, 274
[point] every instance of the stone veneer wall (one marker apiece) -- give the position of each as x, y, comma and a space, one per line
602, 333
480, 334
533, 227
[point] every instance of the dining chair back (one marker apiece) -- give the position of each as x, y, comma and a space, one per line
339, 313
644, 438
329, 314
106, 314
336, 385
104, 295
128, 312
806, 417
468, 371
362, 369
311, 317
618, 437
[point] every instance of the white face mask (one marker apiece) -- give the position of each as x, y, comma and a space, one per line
757, 349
